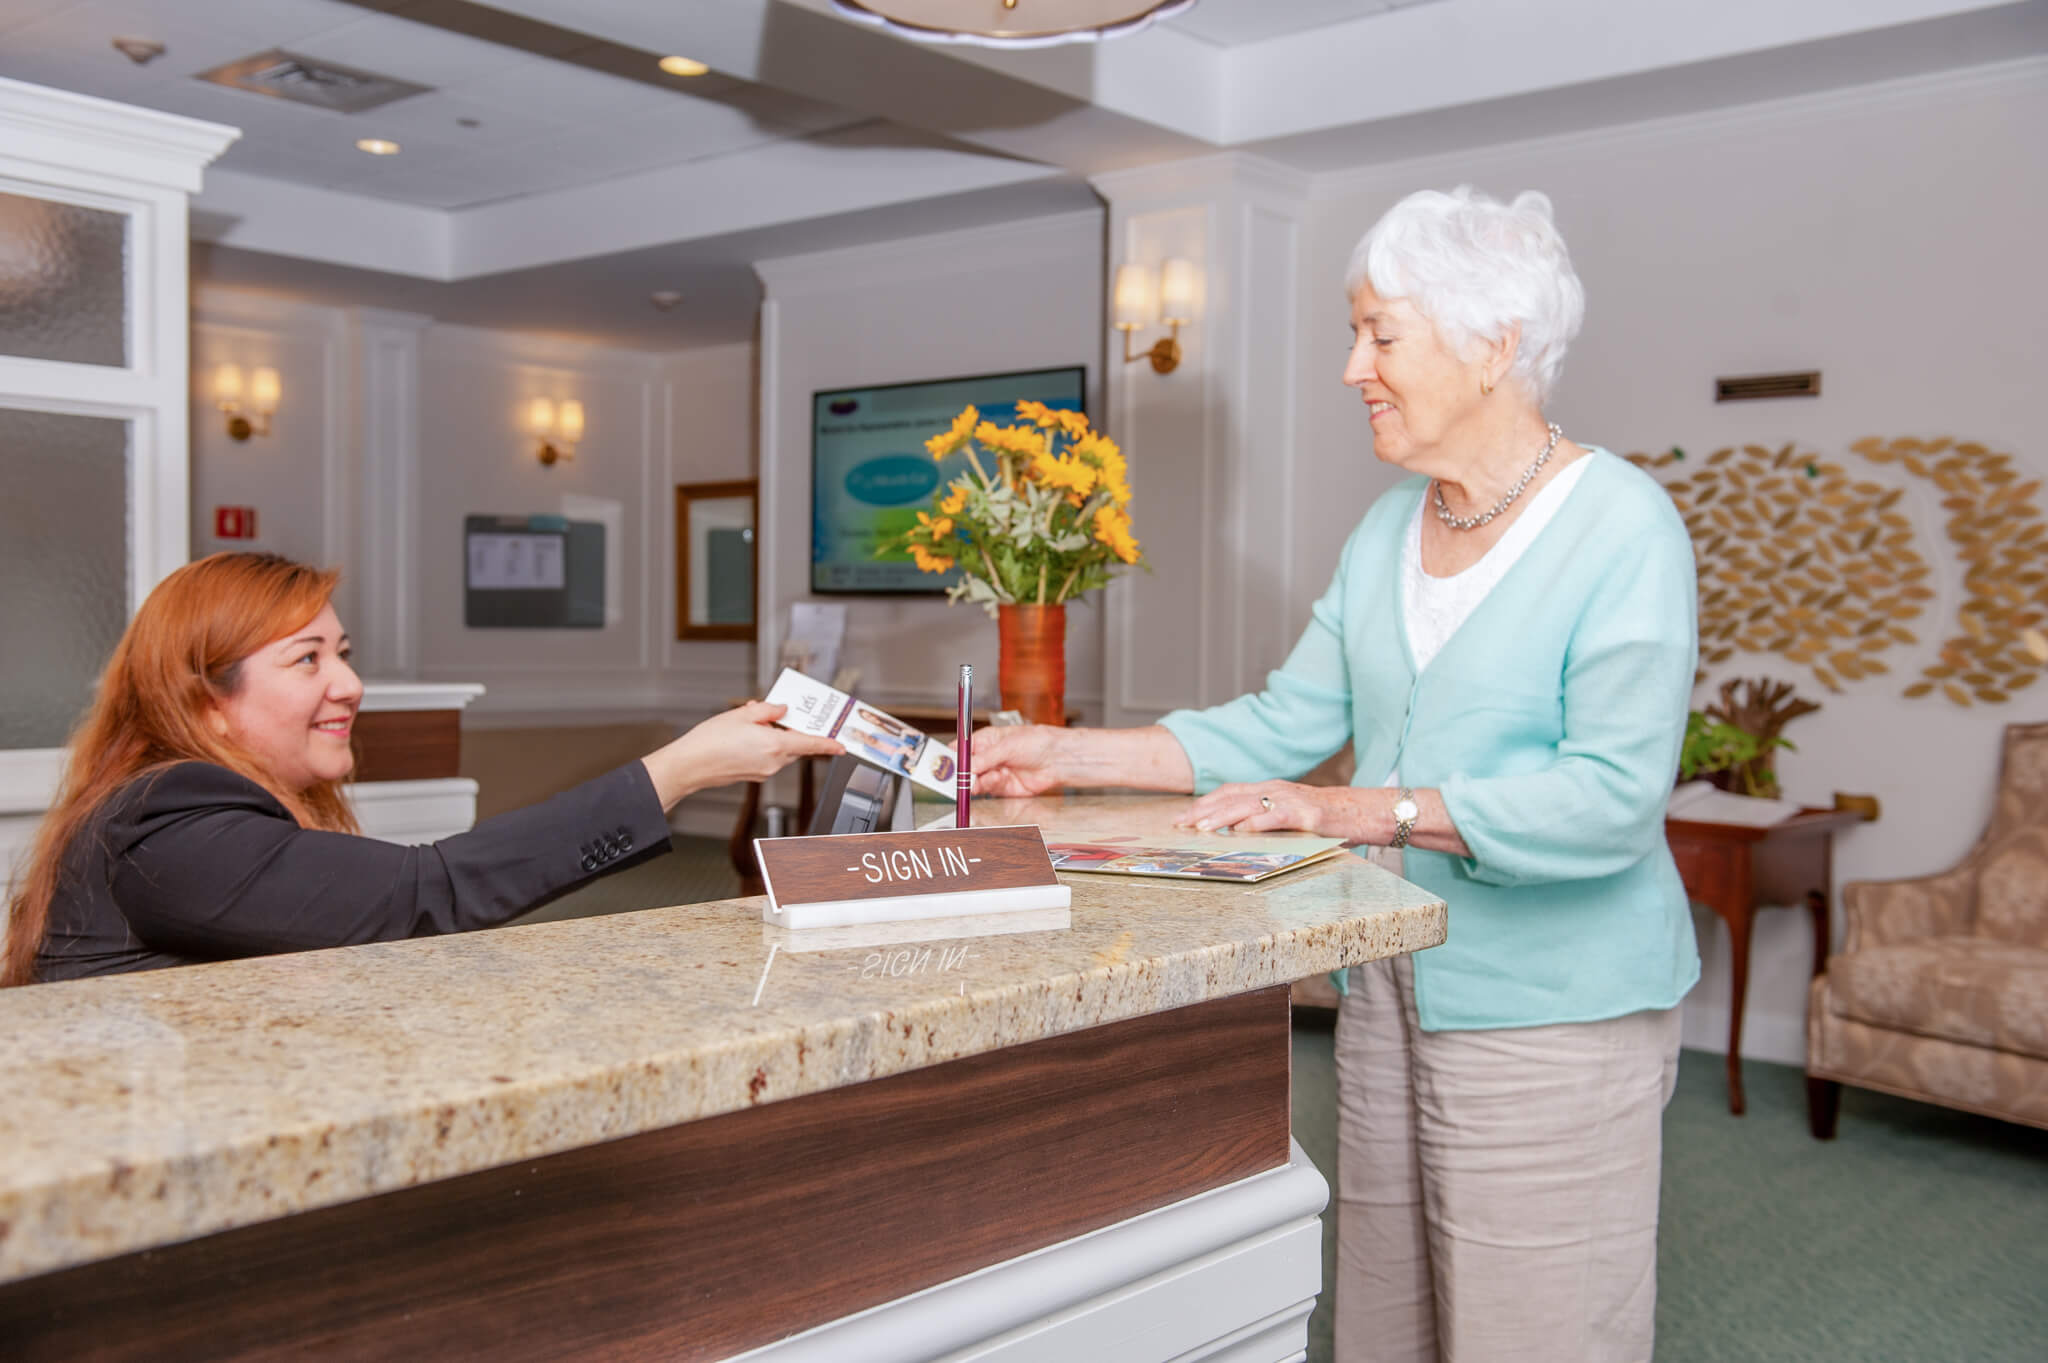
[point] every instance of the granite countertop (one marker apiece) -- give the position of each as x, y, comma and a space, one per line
150, 1108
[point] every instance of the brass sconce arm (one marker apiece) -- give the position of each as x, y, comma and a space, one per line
1164, 352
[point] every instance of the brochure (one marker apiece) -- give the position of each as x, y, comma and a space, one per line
867, 733
1245, 860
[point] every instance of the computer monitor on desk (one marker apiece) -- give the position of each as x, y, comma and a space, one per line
860, 797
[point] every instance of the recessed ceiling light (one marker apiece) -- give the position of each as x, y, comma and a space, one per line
664, 299
683, 66
376, 146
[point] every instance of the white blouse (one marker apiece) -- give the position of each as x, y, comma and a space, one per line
1432, 608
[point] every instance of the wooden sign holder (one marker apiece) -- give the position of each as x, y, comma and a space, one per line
853, 878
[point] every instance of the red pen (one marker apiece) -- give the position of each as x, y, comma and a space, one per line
963, 776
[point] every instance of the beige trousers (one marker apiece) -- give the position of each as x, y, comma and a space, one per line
1496, 1190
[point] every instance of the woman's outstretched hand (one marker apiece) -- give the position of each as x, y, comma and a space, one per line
743, 744
1017, 760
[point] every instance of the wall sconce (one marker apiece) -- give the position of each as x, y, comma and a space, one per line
1136, 304
249, 404
557, 425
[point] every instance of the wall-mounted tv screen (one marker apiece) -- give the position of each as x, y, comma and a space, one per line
870, 475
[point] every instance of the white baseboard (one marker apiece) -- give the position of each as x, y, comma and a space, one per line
1765, 1035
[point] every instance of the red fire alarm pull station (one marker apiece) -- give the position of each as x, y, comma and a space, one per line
234, 522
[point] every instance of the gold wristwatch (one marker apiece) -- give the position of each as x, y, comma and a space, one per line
1406, 812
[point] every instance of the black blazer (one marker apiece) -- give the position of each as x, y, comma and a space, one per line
195, 863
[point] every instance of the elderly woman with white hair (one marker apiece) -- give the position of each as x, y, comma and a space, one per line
1508, 647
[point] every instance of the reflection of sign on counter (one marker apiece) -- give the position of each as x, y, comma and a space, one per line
887, 877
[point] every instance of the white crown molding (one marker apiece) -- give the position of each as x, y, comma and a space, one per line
63, 129
2022, 75
452, 343
305, 222
1203, 177
216, 306
961, 251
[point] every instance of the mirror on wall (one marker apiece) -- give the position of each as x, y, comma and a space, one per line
715, 558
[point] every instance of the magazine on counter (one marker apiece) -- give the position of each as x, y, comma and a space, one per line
867, 733
1246, 859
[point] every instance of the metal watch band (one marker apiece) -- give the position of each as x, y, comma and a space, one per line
1403, 828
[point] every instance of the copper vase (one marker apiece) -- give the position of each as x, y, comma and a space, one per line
1033, 670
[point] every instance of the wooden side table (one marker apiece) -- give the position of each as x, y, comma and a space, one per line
1735, 869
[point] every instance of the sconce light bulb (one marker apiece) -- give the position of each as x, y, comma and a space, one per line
264, 390
569, 421
227, 385
1179, 291
1132, 302
540, 417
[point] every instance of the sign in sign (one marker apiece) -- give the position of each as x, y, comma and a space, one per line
892, 877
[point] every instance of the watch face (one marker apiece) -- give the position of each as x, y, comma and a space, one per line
1406, 810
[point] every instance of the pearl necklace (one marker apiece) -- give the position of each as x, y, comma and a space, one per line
1443, 512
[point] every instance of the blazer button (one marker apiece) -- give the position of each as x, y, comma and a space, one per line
625, 842
589, 862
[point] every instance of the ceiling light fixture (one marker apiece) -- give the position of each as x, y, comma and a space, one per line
664, 299
683, 66
376, 146
1016, 23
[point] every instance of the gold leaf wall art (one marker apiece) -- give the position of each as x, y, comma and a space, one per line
1799, 558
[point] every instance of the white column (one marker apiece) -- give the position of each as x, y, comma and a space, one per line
384, 396
1211, 445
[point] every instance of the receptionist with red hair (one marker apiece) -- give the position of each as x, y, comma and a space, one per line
201, 814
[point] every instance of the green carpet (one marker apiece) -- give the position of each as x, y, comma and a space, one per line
1919, 1235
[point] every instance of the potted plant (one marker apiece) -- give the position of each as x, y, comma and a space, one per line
1730, 742
1041, 515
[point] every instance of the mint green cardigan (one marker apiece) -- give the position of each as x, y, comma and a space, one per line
1550, 722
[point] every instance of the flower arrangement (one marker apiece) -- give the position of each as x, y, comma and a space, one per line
1040, 515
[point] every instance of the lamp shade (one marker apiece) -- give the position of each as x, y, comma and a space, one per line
1023, 23
569, 420
227, 383
1180, 289
264, 390
1133, 305
540, 417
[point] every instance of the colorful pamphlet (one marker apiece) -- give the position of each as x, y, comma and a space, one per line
867, 733
1246, 860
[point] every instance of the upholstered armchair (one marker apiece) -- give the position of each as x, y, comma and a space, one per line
1940, 991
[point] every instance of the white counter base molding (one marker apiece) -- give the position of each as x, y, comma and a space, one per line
1230, 1274
545, 1141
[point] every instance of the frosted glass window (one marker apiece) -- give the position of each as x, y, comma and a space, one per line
63, 567
63, 281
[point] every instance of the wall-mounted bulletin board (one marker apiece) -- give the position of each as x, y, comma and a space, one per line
715, 558
532, 572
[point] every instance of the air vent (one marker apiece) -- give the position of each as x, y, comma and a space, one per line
1805, 384
305, 80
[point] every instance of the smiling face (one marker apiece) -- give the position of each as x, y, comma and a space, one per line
294, 703
1419, 391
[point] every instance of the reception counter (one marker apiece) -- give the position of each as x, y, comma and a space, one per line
682, 1133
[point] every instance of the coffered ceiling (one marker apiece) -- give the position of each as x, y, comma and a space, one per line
549, 148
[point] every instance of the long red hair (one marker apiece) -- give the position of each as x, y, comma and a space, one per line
180, 655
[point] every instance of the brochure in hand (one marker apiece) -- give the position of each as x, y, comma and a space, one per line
1196, 857
867, 733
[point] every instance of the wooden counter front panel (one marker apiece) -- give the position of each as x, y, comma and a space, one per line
407, 745
703, 1240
